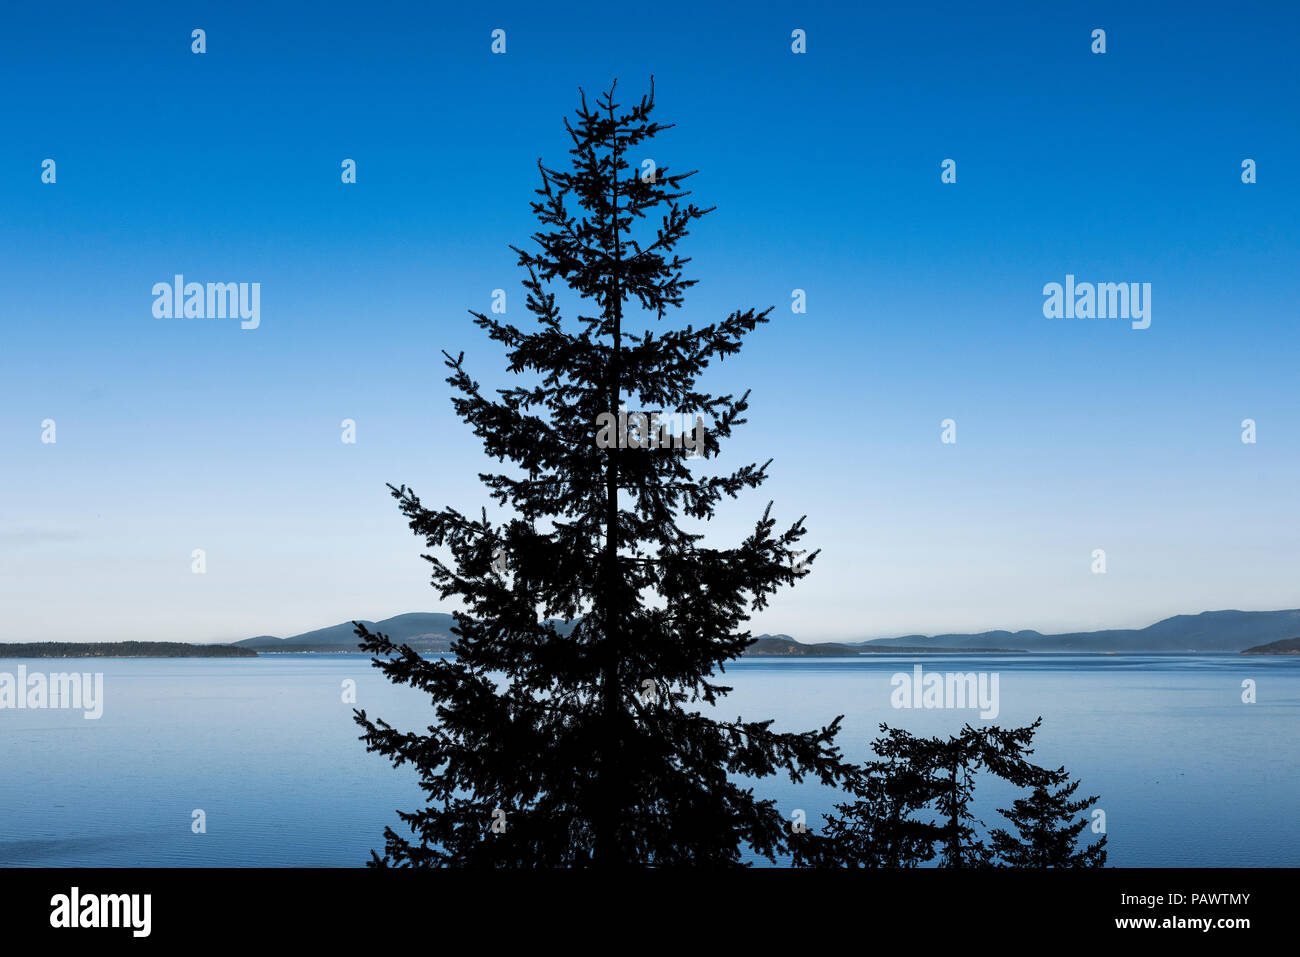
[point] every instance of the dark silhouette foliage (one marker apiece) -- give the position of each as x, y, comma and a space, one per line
913, 803
1048, 824
569, 728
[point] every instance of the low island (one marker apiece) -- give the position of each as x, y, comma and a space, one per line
783, 646
1287, 646
120, 649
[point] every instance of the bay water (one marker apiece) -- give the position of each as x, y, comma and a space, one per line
1188, 773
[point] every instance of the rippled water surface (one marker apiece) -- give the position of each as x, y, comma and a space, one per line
1188, 774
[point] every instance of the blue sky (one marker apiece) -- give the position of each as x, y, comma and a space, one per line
924, 299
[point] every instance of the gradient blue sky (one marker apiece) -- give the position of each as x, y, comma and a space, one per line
924, 299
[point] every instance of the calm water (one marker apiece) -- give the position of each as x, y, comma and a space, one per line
1188, 774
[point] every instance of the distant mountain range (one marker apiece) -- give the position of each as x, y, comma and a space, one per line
1210, 631
423, 631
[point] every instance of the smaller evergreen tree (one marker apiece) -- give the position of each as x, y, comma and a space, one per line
953, 764
1049, 823
914, 804
881, 827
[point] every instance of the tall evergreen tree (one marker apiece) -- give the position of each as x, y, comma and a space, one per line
584, 742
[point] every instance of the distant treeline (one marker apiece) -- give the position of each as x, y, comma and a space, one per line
783, 646
121, 649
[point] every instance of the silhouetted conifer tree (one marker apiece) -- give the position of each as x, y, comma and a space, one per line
1049, 823
914, 804
886, 826
952, 764
583, 743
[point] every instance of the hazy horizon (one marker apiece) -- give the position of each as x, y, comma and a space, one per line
799, 637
